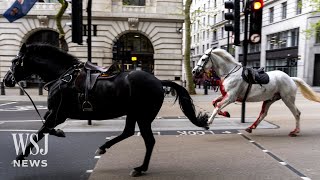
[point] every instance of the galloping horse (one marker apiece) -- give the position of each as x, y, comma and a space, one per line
136, 94
280, 86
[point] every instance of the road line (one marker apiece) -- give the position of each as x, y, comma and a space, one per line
18, 121
89, 171
17, 130
291, 168
4, 104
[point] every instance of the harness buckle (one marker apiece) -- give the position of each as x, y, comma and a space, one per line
87, 106
66, 78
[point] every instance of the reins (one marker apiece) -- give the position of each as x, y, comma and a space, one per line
46, 86
35, 107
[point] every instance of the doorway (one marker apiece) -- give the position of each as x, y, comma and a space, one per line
134, 51
316, 71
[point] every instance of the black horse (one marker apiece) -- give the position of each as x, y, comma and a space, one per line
136, 94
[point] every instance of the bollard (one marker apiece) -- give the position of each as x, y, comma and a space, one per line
3, 92
40, 88
21, 91
89, 122
205, 88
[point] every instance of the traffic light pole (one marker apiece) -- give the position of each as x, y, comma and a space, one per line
245, 53
89, 40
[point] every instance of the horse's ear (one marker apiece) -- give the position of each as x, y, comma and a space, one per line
23, 48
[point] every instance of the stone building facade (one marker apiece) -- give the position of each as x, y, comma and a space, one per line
140, 34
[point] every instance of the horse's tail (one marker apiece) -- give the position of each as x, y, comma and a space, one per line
306, 90
186, 105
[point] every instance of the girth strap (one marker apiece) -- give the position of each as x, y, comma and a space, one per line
87, 106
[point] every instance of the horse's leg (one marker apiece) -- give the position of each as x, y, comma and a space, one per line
222, 113
127, 132
226, 100
147, 135
36, 139
52, 120
54, 132
263, 113
289, 101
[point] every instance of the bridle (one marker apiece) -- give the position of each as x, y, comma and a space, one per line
209, 58
20, 61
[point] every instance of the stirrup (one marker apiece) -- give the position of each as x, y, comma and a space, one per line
87, 106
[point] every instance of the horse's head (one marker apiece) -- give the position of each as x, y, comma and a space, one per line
202, 64
17, 70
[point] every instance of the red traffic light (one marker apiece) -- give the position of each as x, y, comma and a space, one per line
257, 4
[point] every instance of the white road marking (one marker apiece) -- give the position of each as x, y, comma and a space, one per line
89, 171
265, 150
4, 104
97, 157
305, 178
23, 108
283, 163
17, 130
20, 121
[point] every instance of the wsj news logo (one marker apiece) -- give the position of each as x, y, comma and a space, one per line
20, 141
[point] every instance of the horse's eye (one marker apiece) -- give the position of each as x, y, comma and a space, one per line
17, 63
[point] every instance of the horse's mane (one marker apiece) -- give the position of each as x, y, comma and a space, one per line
47, 51
225, 55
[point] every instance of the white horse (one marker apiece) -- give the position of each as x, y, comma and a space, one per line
280, 86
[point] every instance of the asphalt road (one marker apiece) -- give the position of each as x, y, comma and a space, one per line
265, 154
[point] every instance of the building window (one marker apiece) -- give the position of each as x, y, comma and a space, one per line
318, 35
287, 65
203, 49
255, 64
299, 6
208, 46
204, 21
208, 34
208, 20
214, 19
284, 10
242, 26
271, 15
283, 39
222, 32
254, 48
134, 2
294, 34
222, 14
215, 3
214, 38
203, 35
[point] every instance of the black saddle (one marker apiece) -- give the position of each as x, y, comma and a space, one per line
88, 77
255, 76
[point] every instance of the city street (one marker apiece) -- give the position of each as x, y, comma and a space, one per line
182, 151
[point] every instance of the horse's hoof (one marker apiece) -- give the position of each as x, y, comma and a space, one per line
100, 151
135, 173
249, 130
227, 114
60, 133
293, 134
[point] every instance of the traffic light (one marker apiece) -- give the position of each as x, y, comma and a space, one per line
233, 16
256, 7
76, 15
